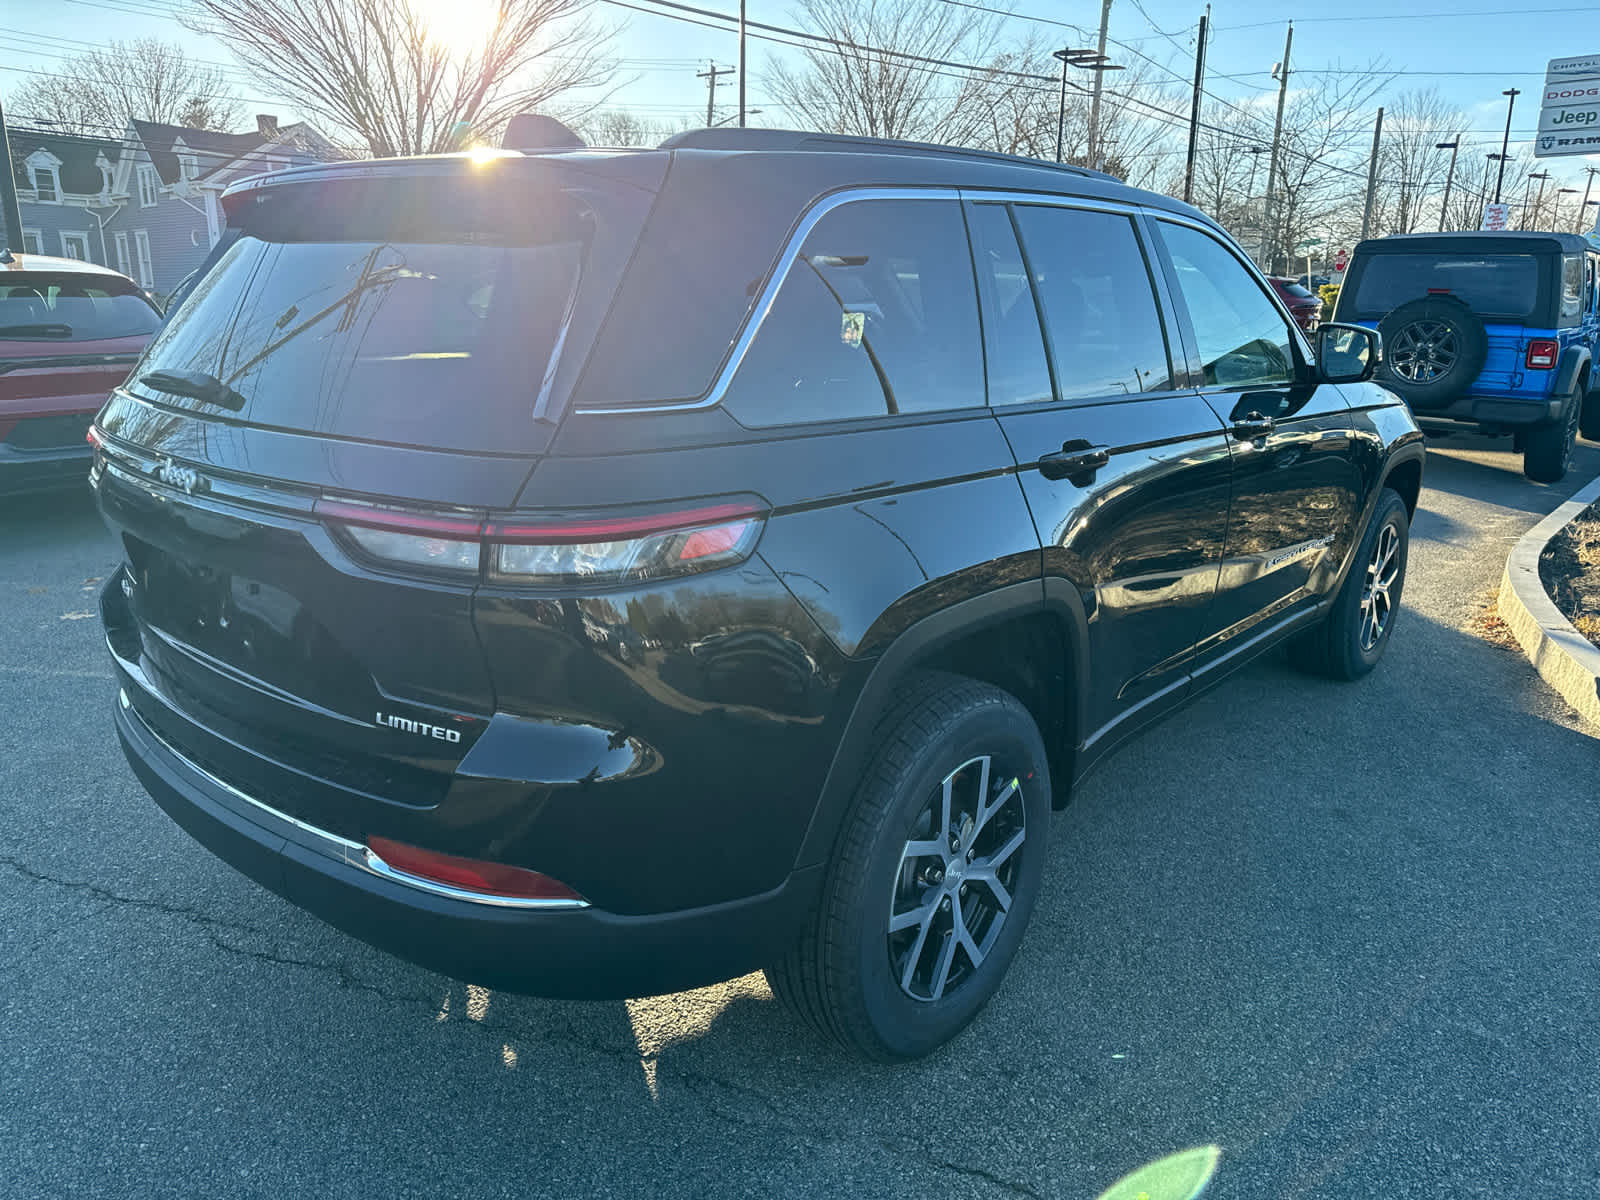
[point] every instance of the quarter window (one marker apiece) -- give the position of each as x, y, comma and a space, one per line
1571, 287
1098, 303
876, 315
1242, 339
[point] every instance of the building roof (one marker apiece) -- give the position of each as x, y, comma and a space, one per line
79, 174
213, 149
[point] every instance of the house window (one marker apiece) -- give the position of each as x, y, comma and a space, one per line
75, 245
123, 264
47, 185
141, 248
189, 166
148, 183
32, 241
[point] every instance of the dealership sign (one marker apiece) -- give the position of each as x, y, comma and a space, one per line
1569, 108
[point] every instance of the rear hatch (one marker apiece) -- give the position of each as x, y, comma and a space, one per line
66, 339
299, 467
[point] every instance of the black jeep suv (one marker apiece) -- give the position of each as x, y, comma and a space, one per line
603, 573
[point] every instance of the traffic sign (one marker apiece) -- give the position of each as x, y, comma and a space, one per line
1341, 260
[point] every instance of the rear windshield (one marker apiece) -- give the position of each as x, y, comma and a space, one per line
1492, 285
419, 312
72, 307
1296, 291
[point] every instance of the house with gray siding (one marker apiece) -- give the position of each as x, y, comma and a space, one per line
145, 204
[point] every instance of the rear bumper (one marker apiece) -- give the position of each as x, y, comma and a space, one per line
565, 952
1493, 412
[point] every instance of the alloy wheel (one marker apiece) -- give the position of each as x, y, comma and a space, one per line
953, 890
1423, 351
1377, 601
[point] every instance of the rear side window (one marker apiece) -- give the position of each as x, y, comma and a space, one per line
1013, 343
876, 315
1571, 287
72, 307
1492, 285
1296, 291
1099, 307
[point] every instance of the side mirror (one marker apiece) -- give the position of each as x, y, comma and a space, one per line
1346, 353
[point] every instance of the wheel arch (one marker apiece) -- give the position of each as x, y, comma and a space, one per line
1404, 475
1572, 371
1014, 638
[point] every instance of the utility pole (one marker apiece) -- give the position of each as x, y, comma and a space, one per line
1094, 104
1372, 177
1505, 141
710, 75
1449, 178
1272, 163
1583, 209
1194, 108
1541, 176
741, 64
11, 235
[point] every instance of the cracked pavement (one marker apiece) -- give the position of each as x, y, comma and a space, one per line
1345, 933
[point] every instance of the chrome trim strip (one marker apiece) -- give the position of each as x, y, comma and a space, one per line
769, 295
342, 849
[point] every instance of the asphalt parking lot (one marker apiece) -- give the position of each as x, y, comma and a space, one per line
1346, 933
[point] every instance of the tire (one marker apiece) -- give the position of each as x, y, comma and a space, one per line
1547, 449
1433, 350
1343, 646
1589, 416
881, 993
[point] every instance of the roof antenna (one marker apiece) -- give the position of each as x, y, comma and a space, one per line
535, 131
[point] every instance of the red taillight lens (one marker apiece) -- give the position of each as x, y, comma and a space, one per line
657, 546
93, 438
470, 874
634, 547
1542, 354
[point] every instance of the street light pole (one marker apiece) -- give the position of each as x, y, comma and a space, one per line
1583, 209
1061, 108
1272, 162
1088, 60
1541, 176
741, 64
1505, 141
1555, 217
1454, 148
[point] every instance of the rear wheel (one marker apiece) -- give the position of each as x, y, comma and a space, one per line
1356, 631
1547, 449
934, 878
1589, 416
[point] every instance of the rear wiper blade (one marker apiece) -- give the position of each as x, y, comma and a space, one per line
197, 385
37, 329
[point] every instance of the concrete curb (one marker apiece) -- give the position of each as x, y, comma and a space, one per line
1566, 659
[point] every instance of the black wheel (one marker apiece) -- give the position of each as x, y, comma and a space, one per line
1351, 639
934, 876
1433, 349
1589, 416
1547, 449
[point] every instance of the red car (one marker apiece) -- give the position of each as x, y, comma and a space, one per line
69, 331
1303, 306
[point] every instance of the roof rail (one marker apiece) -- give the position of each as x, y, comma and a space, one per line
795, 139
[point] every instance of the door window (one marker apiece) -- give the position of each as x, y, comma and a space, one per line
1242, 339
1013, 344
877, 314
1099, 307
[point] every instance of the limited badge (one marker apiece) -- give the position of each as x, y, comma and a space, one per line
853, 328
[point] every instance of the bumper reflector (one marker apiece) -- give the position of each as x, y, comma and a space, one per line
469, 874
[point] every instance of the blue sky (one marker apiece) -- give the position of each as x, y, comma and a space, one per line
1471, 55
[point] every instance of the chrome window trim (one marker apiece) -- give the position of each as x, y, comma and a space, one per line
769, 294
331, 845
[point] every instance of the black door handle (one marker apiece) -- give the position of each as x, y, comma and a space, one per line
1252, 426
1077, 461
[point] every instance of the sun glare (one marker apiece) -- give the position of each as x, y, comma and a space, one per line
461, 27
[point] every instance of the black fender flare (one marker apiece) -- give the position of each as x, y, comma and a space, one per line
1573, 361
915, 643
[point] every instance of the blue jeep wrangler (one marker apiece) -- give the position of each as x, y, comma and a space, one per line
1497, 333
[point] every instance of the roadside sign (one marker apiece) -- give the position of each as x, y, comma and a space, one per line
1569, 108
1341, 260
1496, 216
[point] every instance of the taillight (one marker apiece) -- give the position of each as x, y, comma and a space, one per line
632, 547
93, 438
468, 874
657, 546
1542, 354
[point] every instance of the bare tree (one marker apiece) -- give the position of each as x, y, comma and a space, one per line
1411, 168
871, 82
382, 71
619, 127
146, 79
